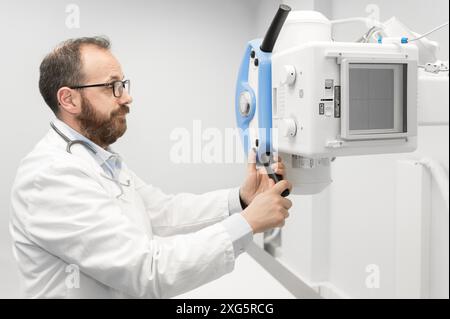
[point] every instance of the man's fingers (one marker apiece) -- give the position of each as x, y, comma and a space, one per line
281, 224
286, 203
277, 158
279, 168
278, 165
281, 186
251, 160
285, 213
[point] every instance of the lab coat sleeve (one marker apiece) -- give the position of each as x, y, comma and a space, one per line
234, 201
184, 212
72, 217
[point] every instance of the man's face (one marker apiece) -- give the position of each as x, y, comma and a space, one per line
102, 118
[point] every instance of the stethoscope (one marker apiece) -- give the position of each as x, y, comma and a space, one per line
71, 143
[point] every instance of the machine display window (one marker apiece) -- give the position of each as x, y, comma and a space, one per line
376, 99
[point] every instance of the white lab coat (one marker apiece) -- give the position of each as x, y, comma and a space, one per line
65, 216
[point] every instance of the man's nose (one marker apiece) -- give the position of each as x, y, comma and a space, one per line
125, 98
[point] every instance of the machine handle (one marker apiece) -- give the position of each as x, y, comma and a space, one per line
276, 178
267, 161
275, 28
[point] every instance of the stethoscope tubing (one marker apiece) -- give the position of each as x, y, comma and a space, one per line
70, 143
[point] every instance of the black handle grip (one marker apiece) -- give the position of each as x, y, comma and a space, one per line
276, 178
267, 161
275, 28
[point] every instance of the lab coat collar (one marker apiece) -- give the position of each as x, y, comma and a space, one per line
107, 163
104, 157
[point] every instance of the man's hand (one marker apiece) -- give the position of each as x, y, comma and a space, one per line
257, 180
269, 209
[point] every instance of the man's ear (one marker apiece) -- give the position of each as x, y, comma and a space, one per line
69, 100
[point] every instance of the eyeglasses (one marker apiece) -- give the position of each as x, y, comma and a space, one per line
117, 87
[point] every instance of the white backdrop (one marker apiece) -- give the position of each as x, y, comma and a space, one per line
182, 57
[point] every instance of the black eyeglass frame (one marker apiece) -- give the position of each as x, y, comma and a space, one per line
109, 84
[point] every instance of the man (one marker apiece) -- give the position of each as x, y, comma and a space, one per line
85, 226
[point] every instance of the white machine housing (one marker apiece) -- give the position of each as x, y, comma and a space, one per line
334, 99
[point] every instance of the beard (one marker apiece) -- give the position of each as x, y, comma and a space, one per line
102, 130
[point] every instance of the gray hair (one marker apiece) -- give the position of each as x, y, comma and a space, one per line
63, 67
